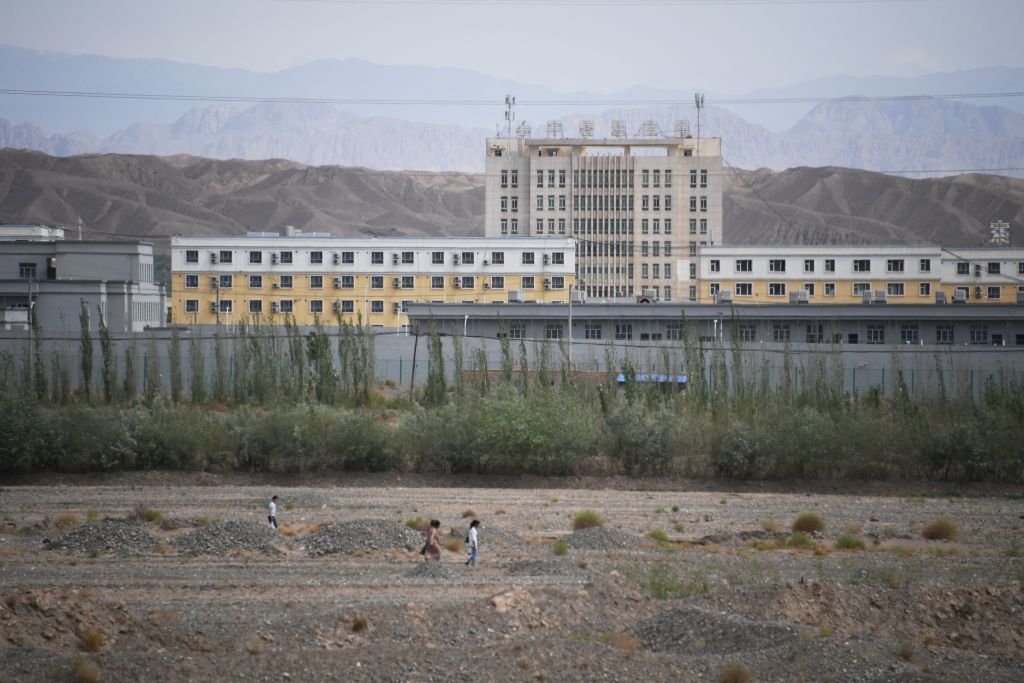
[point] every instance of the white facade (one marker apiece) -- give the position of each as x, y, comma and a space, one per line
639, 207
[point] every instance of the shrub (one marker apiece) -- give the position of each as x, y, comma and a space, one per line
587, 519
809, 522
65, 521
85, 671
772, 525
468, 513
798, 539
657, 535
849, 542
360, 623
417, 523
735, 672
147, 514
560, 547
941, 529
675, 508
92, 639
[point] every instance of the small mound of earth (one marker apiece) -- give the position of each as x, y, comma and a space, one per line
741, 536
694, 631
123, 538
362, 534
218, 538
603, 538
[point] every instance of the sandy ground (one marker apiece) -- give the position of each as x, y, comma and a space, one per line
722, 599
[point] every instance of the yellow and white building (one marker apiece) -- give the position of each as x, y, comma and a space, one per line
639, 207
270, 277
911, 274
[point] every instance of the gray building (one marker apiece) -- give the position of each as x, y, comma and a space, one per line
51, 277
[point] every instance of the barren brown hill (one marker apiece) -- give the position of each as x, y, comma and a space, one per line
155, 197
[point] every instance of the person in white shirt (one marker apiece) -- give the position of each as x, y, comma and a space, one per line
272, 513
474, 542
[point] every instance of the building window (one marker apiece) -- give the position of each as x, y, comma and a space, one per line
876, 334
776, 289
515, 204
408, 282
693, 226
862, 265
808, 265
255, 257
558, 258
623, 331
861, 288
744, 265
925, 265
504, 226
468, 258
715, 264
437, 258
703, 177
558, 282
517, 330
316, 257
714, 289
693, 205
468, 282
191, 281
830, 265
655, 271
437, 282
668, 177
377, 258
979, 334
894, 289
515, 226
551, 202
515, 178
693, 177
377, 306
191, 305
777, 265
667, 294
285, 257
746, 332
668, 202
316, 305
668, 226
994, 268
498, 258
809, 288
693, 271
226, 306
286, 282
497, 282
348, 306
667, 270
503, 203
226, 256
348, 281
674, 331
667, 246
561, 226
994, 292
316, 281
377, 282
692, 293
591, 330
528, 258
540, 178
644, 226
553, 331
191, 256
703, 203
703, 226
504, 177
830, 289
551, 177
408, 257
744, 289
561, 178
226, 281
780, 332
528, 282
645, 248
910, 334
924, 289
645, 178
287, 306
692, 249
944, 334
894, 265
644, 273
963, 268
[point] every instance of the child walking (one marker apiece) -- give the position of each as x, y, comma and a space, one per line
272, 513
474, 542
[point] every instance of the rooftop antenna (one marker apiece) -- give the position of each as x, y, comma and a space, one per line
618, 129
698, 99
79, 228
510, 115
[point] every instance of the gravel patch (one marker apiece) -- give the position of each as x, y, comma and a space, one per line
604, 539
123, 538
691, 630
362, 535
218, 538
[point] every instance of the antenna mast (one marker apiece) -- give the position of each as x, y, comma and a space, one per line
698, 100
510, 116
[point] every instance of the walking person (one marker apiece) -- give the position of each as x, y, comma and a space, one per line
272, 513
432, 548
474, 542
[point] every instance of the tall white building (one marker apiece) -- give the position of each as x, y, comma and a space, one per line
639, 207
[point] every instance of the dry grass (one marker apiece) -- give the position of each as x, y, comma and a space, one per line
772, 525
809, 522
466, 514
85, 671
941, 529
164, 549
360, 623
65, 521
560, 547
92, 639
735, 672
417, 523
906, 652
453, 544
624, 642
587, 519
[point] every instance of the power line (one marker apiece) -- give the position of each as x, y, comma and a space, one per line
606, 3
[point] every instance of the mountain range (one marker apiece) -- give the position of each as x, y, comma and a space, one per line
351, 112
156, 197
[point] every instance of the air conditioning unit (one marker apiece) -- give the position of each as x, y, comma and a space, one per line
977, 292
396, 307
516, 296
486, 262
273, 258
880, 296
214, 307
456, 283
215, 282
275, 307
337, 283
275, 285
867, 298
977, 270
487, 285
1020, 297
725, 296
798, 296
940, 297
336, 306
395, 259
547, 283
213, 258
334, 258
547, 259
455, 259
960, 296
397, 282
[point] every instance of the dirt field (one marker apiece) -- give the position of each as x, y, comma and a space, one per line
340, 592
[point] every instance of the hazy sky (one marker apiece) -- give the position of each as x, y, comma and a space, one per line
726, 46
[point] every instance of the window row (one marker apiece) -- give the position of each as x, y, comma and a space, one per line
858, 289
224, 282
376, 257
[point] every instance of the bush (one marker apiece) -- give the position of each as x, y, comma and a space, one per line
586, 519
941, 529
809, 522
849, 542
734, 672
657, 535
560, 547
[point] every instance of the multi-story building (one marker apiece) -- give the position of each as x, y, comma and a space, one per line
271, 278
638, 207
51, 277
914, 274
